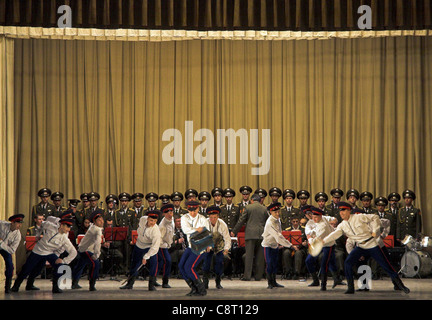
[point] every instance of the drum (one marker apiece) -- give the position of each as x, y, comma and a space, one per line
416, 263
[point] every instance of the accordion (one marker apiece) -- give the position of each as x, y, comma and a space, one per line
199, 241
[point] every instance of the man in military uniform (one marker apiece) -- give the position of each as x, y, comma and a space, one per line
124, 217
352, 196
275, 193
230, 213
36, 229
321, 199
393, 211
73, 205
332, 209
177, 198
57, 198
191, 195
94, 201
366, 199
409, 220
111, 201
217, 193
165, 198
80, 214
303, 196
204, 198
288, 212
138, 207
178, 245
151, 198
262, 194
245, 191
43, 207
385, 218
293, 261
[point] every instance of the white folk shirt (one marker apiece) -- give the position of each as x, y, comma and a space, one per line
272, 235
190, 225
358, 228
166, 228
323, 229
92, 241
53, 241
10, 239
148, 237
310, 228
222, 228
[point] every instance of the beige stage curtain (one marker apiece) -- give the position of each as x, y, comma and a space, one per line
7, 149
347, 113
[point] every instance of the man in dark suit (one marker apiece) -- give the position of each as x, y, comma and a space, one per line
255, 217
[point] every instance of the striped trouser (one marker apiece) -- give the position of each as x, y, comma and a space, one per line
328, 261
376, 253
188, 264
164, 261
85, 258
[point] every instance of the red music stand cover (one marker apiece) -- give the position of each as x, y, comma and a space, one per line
115, 233
30, 242
241, 239
295, 237
389, 241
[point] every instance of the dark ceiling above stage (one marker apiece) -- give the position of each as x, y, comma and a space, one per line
304, 15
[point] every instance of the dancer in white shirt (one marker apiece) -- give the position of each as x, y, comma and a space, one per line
272, 238
220, 232
192, 222
10, 238
89, 251
55, 239
146, 249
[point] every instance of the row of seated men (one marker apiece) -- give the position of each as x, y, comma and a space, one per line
120, 213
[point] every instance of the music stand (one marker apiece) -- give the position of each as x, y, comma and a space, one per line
114, 234
30, 242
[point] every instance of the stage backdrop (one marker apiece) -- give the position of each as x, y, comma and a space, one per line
152, 116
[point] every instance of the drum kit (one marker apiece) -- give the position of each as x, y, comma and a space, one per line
417, 260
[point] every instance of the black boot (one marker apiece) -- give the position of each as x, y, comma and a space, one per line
165, 283
397, 282
92, 283
75, 284
275, 284
152, 283
315, 280
17, 284
192, 286
30, 285
337, 280
323, 281
205, 279
270, 281
55, 287
8, 284
218, 282
201, 290
350, 289
129, 284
